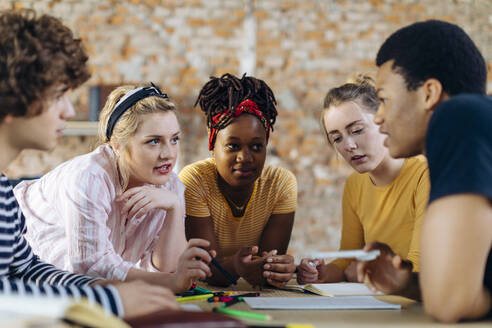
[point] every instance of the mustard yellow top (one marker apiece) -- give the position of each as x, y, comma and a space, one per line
391, 214
275, 192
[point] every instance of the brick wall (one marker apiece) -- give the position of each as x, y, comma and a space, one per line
301, 48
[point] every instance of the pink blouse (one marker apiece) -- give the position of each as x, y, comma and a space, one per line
74, 222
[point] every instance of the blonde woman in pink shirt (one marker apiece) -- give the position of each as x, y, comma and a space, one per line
118, 212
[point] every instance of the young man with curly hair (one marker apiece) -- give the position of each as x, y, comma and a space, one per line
431, 83
40, 60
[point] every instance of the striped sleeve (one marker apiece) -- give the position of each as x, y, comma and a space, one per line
21, 272
195, 193
287, 186
27, 266
106, 296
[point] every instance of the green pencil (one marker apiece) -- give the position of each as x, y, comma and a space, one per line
203, 290
243, 314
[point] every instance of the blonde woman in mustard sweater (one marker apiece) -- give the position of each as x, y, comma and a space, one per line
385, 199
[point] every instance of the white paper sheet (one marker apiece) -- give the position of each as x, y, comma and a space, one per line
358, 254
190, 307
319, 303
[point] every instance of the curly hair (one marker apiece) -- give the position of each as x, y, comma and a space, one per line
37, 54
435, 49
223, 94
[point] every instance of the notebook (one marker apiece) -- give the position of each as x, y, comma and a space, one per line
335, 289
319, 303
17, 310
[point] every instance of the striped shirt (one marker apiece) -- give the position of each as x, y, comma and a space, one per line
74, 221
21, 272
275, 192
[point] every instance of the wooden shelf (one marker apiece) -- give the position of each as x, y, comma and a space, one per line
80, 128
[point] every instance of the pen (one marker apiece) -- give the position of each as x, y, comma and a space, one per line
223, 271
215, 299
187, 293
243, 314
224, 298
194, 297
247, 295
195, 290
232, 302
201, 290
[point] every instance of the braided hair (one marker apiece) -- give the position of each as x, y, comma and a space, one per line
223, 94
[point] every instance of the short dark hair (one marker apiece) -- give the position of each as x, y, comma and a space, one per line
435, 49
36, 54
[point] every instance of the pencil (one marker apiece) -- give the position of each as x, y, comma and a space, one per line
243, 314
194, 297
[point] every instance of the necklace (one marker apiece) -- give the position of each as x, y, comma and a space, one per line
234, 205
237, 210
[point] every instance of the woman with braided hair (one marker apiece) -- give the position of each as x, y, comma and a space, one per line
242, 207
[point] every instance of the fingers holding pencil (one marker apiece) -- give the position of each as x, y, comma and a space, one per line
193, 265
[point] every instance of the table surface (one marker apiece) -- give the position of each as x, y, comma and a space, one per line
411, 313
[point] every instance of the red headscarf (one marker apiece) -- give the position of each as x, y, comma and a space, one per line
246, 106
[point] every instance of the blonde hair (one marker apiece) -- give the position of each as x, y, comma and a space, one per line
359, 88
127, 124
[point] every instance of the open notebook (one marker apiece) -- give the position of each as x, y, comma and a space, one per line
334, 289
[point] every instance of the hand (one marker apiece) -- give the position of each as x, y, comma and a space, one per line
279, 269
350, 272
104, 282
192, 265
388, 273
249, 266
140, 298
307, 273
140, 200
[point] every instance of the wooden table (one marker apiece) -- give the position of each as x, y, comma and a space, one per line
411, 314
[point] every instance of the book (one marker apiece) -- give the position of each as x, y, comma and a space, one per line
319, 303
29, 311
15, 310
334, 289
186, 319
